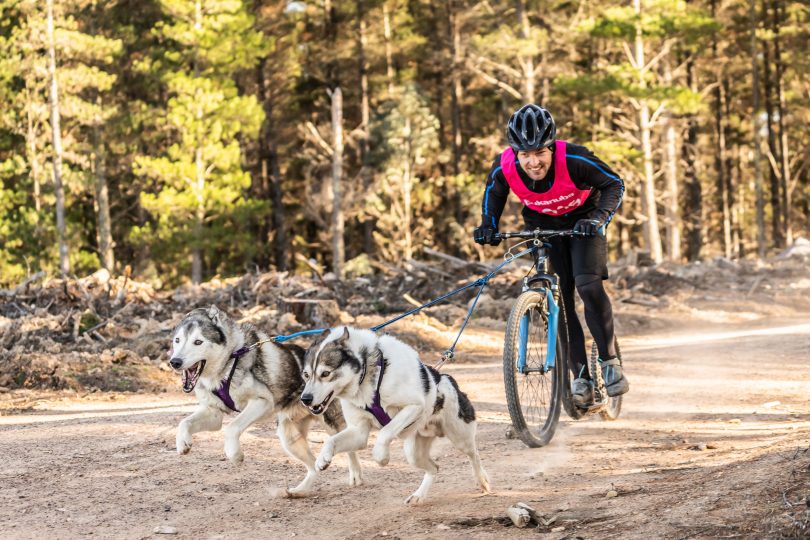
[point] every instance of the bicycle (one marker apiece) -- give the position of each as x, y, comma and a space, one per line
536, 360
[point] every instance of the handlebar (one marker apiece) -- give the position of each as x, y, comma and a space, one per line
537, 233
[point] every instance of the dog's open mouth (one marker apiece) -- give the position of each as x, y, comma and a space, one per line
318, 409
192, 375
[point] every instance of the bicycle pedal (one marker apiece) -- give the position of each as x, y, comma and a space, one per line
597, 406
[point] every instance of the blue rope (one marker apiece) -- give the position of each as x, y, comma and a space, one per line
480, 282
279, 339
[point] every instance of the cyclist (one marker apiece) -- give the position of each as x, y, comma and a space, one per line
562, 186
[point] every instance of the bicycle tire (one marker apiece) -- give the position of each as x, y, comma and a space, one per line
534, 419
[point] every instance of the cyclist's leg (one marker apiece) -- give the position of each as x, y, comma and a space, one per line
589, 263
560, 259
589, 267
598, 312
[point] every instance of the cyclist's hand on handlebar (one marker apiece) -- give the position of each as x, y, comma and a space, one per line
486, 235
589, 227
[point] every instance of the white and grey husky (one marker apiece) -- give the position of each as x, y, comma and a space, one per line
214, 354
381, 383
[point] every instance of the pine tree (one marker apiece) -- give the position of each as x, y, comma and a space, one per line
197, 200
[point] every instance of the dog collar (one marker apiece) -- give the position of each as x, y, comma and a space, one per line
376, 408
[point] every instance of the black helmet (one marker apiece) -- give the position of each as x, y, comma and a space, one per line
530, 128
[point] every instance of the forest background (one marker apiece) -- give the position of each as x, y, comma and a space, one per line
180, 140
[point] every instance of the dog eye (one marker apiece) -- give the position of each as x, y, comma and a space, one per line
306, 376
197, 342
177, 340
325, 374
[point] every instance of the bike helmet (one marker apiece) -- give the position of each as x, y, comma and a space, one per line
530, 128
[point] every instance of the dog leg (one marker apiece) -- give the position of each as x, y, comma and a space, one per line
403, 419
256, 408
293, 437
349, 440
417, 451
334, 423
203, 419
355, 471
462, 436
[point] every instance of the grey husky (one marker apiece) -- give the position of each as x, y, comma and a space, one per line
235, 368
377, 376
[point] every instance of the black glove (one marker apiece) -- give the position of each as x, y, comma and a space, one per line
589, 227
486, 235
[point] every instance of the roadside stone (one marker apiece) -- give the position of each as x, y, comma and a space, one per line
165, 529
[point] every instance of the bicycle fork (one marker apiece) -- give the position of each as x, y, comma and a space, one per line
552, 315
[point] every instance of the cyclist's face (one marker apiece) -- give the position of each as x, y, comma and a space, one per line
535, 162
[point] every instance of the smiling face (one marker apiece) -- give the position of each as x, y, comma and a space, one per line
196, 341
536, 163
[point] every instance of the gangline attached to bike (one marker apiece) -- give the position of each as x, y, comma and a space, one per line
449, 354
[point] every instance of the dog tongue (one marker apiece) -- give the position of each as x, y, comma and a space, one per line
189, 379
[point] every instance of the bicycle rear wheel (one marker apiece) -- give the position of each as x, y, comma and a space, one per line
533, 394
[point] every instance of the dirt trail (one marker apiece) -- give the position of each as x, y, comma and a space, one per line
714, 441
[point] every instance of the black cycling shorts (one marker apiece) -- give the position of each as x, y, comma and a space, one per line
573, 256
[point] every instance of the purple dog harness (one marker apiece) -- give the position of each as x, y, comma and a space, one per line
224, 390
376, 408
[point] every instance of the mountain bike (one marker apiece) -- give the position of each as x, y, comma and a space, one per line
536, 364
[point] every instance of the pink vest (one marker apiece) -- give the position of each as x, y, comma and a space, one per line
563, 196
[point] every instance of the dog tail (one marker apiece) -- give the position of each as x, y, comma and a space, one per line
466, 411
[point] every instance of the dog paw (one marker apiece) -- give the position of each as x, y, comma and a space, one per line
381, 455
485, 486
323, 462
297, 493
183, 444
355, 479
415, 499
235, 456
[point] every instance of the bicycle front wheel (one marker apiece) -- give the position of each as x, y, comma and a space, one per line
533, 393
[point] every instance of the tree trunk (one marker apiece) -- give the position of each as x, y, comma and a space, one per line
776, 214
454, 29
199, 166
365, 168
103, 224
526, 62
31, 147
199, 218
694, 190
652, 235
785, 187
732, 177
407, 187
672, 210
673, 230
757, 137
389, 55
338, 254
270, 171
720, 168
64, 263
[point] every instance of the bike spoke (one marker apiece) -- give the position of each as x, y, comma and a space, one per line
534, 388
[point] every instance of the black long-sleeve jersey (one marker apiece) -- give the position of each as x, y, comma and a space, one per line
586, 171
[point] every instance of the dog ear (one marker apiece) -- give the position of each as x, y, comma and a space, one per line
345, 336
215, 315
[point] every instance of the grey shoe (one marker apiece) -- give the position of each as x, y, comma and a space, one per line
615, 381
582, 392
